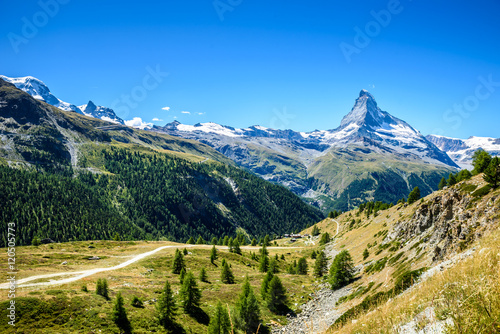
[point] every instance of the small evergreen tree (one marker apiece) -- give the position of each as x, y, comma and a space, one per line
230, 245
265, 284
214, 241
178, 264
314, 254
276, 295
213, 255
414, 195
120, 315
236, 247
302, 266
325, 238
321, 265
254, 242
225, 241
200, 241
219, 322
480, 160
492, 172
247, 309
190, 241
203, 275
273, 266
182, 274
452, 180
102, 288
442, 183
266, 241
263, 263
341, 271
185, 252
166, 307
366, 253
463, 175
315, 231
226, 275
282, 257
190, 294
36, 241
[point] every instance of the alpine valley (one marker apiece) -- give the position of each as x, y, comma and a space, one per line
371, 156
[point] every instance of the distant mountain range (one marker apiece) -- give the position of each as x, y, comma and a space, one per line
462, 150
372, 155
40, 91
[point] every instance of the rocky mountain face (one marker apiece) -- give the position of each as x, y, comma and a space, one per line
449, 220
372, 155
462, 150
41, 92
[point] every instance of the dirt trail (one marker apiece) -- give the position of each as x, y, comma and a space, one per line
77, 275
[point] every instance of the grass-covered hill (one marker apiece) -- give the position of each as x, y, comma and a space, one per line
66, 177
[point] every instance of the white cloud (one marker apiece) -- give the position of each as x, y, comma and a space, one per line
175, 117
200, 113
166, 108
137, 122
185, 112
156, 119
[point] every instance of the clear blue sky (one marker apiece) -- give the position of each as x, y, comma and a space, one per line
273, 63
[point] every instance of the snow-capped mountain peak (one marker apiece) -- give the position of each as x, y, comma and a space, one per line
364, 112
40, 91
462, 150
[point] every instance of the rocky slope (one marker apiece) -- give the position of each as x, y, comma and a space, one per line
437, 233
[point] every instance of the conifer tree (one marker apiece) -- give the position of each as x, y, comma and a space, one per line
341, 271
226, 275
166, 307
190, 241
492, 172
276, 295
415, 194
265, 284
273, 266
203, 275
254, 242
480, 160
236, 247
366, 253
325, 238
302, 266
190, 294
178, 264
266, 241
213, 255
247, 309
214, 241
225, 241
182, 274
452, 180
321, 265
263, 263
314, 255
442, 183
200, 241
315, 231
219, 322
119, 315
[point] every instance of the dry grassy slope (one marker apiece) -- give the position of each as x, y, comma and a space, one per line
414, 236
70, 310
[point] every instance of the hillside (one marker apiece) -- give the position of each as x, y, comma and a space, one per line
449, 231
139, 184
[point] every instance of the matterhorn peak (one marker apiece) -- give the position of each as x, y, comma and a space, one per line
364, 112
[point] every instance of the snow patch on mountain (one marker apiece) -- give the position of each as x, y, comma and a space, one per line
40, 91
462, 150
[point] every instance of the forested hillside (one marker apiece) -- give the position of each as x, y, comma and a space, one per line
147, 196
